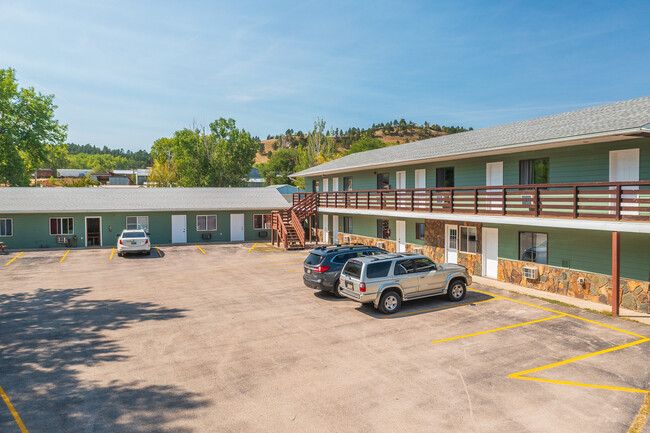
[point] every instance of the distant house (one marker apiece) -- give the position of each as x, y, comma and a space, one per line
287, 191
72, 172
255, 178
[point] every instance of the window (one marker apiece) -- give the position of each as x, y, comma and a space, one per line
132, 235
261, 221
468, 240
419, 231
137, 222
383, 229
378, 270
347, 183
383, 181
405, 267
313, 259
6, 227
206, 223
533, 247
425, 265
342, 258
61, 226
533, 171
315, 186
347, 224
445, 177
352, 269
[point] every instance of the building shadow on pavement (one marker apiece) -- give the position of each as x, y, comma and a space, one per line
48, 335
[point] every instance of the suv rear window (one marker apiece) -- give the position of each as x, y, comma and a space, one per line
313, 259
352, 269
378, 270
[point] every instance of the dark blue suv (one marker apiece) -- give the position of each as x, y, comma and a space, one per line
323, 265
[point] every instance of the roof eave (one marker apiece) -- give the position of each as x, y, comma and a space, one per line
549, 142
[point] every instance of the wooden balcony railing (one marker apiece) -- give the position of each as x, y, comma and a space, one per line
628, 201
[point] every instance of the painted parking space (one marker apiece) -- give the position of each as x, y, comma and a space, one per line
11, 260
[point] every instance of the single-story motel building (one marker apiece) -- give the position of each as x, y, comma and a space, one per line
32, 218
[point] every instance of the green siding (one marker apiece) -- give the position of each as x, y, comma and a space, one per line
32, 230
585, 163
586, 250
366, 225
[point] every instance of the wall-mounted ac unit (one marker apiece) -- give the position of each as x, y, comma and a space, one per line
530, 273
381, 244
61, 240
418, 250
346, 239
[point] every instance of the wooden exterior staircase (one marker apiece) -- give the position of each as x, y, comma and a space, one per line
287, 225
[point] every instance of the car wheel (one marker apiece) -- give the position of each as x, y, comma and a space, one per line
336, 291
457, 291
390, 302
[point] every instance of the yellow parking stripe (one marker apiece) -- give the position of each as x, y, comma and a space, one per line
200, 249
112, 252
64, 256
19, 421
499, 329
251, 248
446, 307
17, 255
159, 254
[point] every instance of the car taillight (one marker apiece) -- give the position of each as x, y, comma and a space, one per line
146, 241
120, 241
362, 287
321, 268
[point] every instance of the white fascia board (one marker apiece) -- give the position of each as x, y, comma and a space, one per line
610, 226
52, 211
509, 148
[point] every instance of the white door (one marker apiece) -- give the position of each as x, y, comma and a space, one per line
335, 184
400, 236
401, 180
335, 229
326, 184
326, 229
624, 167
451, 243
179, 229
236, 227
490, 252
421, 178
494, 177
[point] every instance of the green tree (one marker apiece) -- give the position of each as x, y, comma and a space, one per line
221, 157
365, 143
279, 166
164, 174
27, 127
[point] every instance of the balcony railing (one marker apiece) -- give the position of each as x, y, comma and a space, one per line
628, 201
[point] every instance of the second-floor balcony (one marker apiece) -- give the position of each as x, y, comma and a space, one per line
625, 201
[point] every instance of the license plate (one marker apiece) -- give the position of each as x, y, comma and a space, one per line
133, 242
308, 270
349, 285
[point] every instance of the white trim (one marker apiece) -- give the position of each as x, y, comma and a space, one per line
51, 211
621, 226
49, 226
101, 238
216, 222
12, 228
616, 135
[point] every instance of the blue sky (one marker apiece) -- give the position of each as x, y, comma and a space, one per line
125, 74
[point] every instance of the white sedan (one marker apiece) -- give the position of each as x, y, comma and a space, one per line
133, 241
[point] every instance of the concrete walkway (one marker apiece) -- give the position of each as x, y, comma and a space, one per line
580, 303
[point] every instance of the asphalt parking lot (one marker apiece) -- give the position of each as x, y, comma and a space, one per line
227, 338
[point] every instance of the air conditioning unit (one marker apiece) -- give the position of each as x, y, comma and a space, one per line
530, 273
418, 250
61, 240
381, 245
346, 239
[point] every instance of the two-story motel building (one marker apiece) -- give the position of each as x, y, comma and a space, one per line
558, 203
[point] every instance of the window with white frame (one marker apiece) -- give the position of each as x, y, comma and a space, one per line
6, 227
62, 226
261, 221
468, 240
137, 222
206, 223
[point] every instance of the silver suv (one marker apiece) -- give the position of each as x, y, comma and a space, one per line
388, 279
